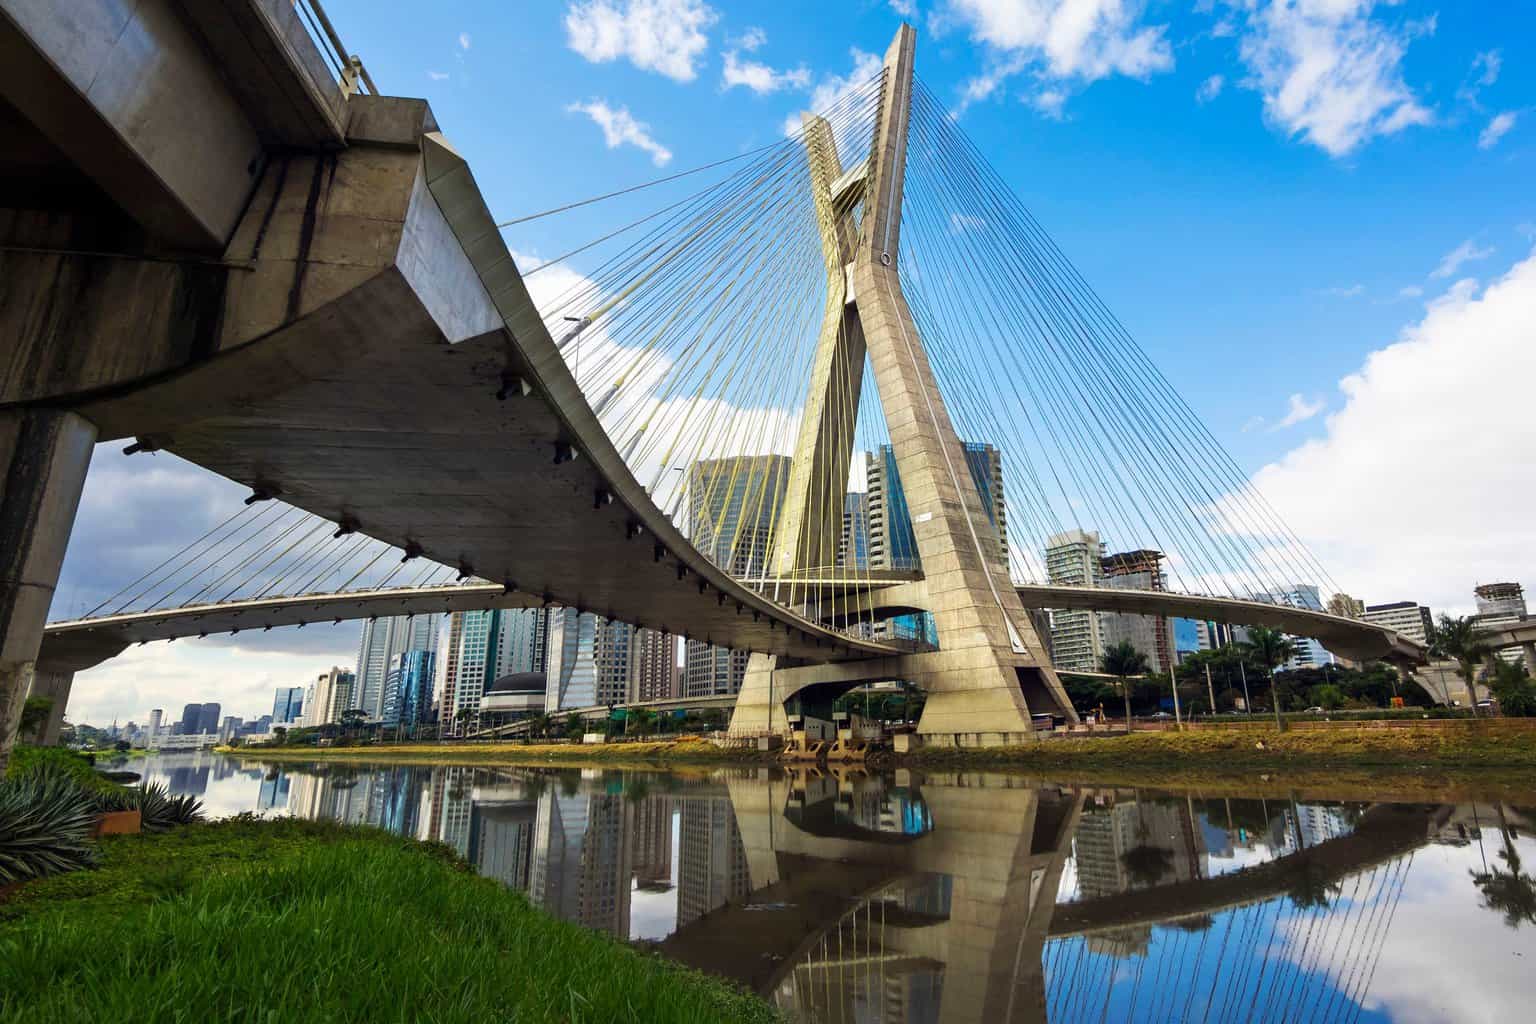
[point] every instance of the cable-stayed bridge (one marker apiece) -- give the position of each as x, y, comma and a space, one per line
312, 298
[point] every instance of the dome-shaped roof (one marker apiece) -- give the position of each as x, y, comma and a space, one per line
518, 682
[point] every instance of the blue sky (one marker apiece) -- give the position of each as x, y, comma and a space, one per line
1316, 216
1230, 236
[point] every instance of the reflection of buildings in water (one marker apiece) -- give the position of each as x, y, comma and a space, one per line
1137, 844
581, 860
273, 794
712, 868
456, 804
652, 831
1121, 942
501, 831
188, 779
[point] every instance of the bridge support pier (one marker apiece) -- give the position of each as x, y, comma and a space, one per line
44, 455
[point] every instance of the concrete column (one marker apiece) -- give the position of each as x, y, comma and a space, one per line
44, 455
55, 686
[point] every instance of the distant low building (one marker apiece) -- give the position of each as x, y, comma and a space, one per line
516, 695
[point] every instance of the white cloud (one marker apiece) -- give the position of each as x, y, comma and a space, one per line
759, 77
1329, 71
1049, 102
904, 8
1210, 89
621, 129
1412, 291
438, 76
463, 40
1299, 410
1417, 489
1484, 71
1466, 252
960, 223
664, 36
1342, 292
1496, 130
1064, 42
752, 39
832, 88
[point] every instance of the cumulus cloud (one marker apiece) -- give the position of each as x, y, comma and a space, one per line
1417, 490
1065, 44
1210, 89
1467, 252
759, 77
1330, 71
621, 129
1496, 130
664, 36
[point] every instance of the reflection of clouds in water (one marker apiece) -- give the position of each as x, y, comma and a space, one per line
1446, 958
224, 787
653, 915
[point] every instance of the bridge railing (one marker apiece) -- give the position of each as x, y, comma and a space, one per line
350, 72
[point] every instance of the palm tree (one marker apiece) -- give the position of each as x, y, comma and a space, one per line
1271, 648
1457, 637
1123, 661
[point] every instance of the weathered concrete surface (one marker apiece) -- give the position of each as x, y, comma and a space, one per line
44, 455
357, 372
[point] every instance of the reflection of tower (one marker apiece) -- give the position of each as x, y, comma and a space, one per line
652, 831
1103, 836
273, 794
457, 804
558, 830
501, 833
603, 883
712, 869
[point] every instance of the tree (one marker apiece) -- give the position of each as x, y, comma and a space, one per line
1458, 638
574, 726
1511, 892
1328, 696
352, 719
1270, 648
538, 725
1513, 688
1122, 661
34, 717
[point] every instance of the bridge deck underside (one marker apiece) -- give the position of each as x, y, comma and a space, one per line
365, 410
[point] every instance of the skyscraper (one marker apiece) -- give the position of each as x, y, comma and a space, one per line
1408, 618
1308, 652
853, 545
1501, 604
1152, 635
1345, 606
892, 542
1075, 559
288, 704
613, 656
381, 641
733, 507
333, 695
653, 666
208, 719
408, 689
481, 647
571, 673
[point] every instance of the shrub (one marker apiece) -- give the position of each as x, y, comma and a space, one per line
46, 821
161, 811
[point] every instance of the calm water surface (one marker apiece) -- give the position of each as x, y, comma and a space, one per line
960, 897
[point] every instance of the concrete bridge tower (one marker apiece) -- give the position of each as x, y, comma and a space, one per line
990, 672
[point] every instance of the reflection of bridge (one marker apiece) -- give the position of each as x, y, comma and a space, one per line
308, 295
964, 896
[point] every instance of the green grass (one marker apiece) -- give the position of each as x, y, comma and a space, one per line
291, 920
77, 766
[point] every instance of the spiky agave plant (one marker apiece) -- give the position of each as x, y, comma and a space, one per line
46, 821
160, 811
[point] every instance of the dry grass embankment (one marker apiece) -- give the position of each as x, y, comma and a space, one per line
1499, 743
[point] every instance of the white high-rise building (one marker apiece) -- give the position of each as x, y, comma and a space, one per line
335, 692
381, 642
571, 666
1309, 652
1408, 618
1075, 558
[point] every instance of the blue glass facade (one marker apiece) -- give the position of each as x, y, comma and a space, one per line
408, 688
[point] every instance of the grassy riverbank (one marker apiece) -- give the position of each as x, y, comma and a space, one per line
1499, 743
614, 754
288, 920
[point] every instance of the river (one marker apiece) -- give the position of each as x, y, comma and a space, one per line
969, 897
